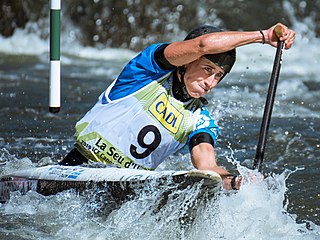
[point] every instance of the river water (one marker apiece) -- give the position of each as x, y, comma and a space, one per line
286, 205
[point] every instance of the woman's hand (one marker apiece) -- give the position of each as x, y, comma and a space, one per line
231, 182
288, 36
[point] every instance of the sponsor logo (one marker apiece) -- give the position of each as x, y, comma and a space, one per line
66, 172
105, 152
166, 113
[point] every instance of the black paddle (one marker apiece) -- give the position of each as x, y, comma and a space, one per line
269, 103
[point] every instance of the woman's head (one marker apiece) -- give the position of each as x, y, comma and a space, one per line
203, 74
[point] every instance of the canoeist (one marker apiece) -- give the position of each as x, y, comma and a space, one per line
156, 105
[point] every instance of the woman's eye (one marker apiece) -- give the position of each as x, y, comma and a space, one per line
208, 69
219, 75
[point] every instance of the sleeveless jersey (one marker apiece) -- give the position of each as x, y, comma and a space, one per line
137, 122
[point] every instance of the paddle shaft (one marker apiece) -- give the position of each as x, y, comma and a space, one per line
268, 108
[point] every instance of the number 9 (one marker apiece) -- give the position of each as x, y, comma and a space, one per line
141, 141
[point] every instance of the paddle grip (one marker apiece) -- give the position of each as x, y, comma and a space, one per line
279, 30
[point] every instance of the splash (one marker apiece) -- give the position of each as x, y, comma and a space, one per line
257, 211
10, 163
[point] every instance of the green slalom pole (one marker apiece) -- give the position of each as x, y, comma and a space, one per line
54, 81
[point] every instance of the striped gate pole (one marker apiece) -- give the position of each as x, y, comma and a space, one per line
54, 81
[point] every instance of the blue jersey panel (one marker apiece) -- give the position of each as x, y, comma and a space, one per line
139, 72
206, 124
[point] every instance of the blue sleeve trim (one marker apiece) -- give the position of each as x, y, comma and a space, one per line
139, 72
206, 124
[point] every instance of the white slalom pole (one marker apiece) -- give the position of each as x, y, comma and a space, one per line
54, 81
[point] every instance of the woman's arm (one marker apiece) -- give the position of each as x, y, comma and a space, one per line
203, 158
184, 52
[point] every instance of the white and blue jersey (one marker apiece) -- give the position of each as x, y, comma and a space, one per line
137, 122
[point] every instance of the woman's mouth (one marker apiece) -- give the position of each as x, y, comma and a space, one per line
205, 89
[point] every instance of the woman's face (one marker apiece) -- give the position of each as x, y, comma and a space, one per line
201, 76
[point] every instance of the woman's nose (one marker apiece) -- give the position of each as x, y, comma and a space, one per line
210, 81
